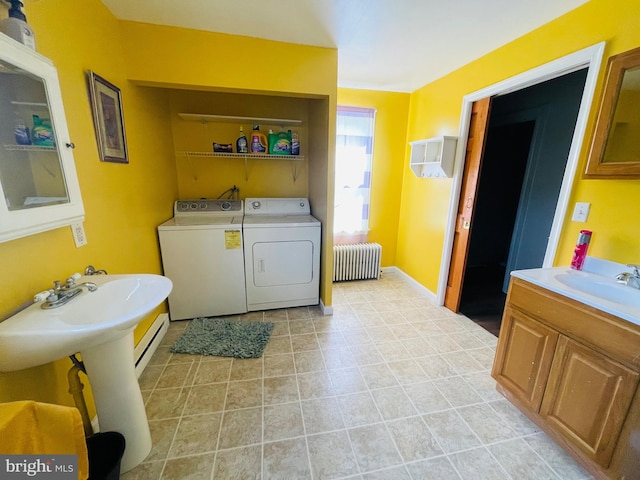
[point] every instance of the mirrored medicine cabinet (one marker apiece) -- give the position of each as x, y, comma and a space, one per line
615, 149
39, 188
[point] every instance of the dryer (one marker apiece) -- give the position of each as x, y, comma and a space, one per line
281, 253
201, 250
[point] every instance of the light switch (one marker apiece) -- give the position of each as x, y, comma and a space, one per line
78, 234
581, 212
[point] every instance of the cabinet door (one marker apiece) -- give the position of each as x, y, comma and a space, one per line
587, 399
523, 357
38, 183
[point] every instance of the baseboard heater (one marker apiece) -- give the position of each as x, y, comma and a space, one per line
146, 347
359, 261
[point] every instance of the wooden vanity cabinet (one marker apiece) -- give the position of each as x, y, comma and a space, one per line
523, 358
587, 398
574, 371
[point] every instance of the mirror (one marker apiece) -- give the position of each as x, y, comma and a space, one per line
615, 150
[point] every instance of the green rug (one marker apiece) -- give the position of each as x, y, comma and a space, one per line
224, 338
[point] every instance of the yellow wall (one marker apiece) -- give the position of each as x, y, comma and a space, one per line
145, 188
435, 110
390, 138
193, 59
125, 203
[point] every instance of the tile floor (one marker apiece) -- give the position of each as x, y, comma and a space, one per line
389, 387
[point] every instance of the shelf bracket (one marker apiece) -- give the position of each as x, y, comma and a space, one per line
191, 167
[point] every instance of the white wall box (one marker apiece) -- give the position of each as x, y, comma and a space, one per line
433, 157
39, 188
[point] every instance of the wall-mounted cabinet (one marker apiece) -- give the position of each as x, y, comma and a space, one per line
433, 157
266, 124
38, 182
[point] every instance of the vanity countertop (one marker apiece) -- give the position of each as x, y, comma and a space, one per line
595, 285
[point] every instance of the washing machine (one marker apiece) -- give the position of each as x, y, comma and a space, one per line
202, 254
281, 253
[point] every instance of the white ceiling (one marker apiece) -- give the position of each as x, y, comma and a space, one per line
395, 45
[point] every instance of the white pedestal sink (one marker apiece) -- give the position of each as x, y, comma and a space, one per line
100, 326
119, 405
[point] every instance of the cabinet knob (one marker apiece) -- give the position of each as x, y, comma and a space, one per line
70, 145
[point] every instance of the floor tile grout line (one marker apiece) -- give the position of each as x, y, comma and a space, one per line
483, 445
542, 458
381, 416
222, 414
173, 439
304, 427
500, 463
383, 420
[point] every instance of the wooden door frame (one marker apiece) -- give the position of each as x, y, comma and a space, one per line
590, 57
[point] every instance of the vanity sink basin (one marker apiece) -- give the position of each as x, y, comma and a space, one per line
603, 288
595, 285
36, 336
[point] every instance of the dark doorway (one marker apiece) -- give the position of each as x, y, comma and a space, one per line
528, 140
496, 208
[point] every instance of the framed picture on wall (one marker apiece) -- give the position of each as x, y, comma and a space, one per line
106, 106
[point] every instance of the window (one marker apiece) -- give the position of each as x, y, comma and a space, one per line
354, 151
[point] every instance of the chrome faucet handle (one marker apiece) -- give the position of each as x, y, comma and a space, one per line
42, 296
71, 281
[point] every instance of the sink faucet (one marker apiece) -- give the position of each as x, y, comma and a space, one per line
62, 293
630, 279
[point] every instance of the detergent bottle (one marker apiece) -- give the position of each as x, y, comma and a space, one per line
42, 133
295, 143
258, 141
241, 142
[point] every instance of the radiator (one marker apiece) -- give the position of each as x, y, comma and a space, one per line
359, 261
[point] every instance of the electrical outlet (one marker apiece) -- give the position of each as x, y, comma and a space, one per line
78, 234
581, 212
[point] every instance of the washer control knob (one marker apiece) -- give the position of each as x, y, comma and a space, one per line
225, 206
203, 205
193, 206
256, 205
302, 204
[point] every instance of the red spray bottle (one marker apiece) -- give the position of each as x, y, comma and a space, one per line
580, 252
